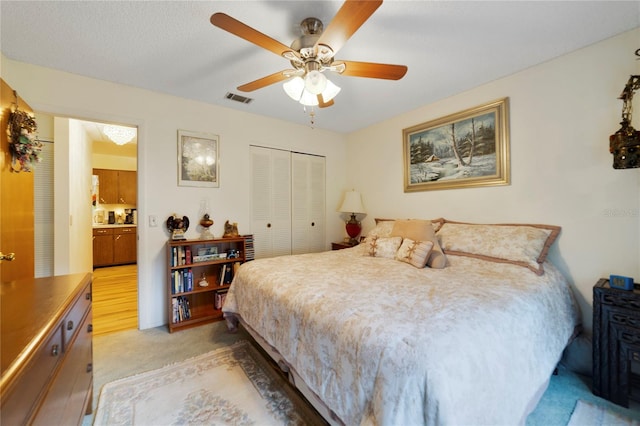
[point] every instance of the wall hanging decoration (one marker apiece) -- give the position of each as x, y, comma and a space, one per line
198, 159
466, 149
23, 141
625, 143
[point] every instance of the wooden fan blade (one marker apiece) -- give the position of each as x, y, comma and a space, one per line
264, 81
373, 70
322, 103
349, 18
232, 25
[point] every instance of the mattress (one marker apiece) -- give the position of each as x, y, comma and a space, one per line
382, 342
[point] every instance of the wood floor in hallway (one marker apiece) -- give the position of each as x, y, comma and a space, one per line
115, 299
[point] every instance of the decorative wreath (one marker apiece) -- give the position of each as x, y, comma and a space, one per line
23, 141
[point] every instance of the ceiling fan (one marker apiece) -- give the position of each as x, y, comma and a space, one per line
313, 53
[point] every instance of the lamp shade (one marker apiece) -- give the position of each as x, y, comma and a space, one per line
294, 88
315, 82
330, 91
306, 90
352, 203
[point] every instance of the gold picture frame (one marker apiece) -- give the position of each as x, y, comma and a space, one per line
198, 159
462, 150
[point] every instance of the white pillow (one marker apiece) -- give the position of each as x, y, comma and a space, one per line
381, 247
521, 244
414, 253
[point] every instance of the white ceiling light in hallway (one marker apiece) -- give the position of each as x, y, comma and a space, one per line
118, 134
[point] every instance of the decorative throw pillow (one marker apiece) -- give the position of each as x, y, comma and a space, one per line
414, 253
521, 244
381, 247
421, 230
382, 229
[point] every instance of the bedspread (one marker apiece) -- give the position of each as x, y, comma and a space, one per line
382, 342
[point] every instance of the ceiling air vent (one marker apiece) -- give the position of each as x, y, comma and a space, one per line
238, 98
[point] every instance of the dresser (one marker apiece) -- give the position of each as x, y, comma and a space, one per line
616, 343
46, 353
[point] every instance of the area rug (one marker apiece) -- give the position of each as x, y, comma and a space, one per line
229, 386
587, 414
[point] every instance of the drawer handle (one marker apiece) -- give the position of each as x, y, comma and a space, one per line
89, 328
70, 325
54, 350
89, 368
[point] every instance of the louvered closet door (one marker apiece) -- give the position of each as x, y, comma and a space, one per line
308, 203
270, 201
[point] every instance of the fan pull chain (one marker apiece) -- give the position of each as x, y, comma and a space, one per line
312, 115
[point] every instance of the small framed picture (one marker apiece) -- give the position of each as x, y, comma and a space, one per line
198, 159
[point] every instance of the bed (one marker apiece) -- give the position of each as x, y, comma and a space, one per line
468, 333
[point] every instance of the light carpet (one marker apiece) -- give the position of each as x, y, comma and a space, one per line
233, 385
587, 414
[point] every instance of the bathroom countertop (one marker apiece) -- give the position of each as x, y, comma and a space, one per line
115, 225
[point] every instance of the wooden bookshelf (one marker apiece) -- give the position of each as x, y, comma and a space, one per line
190, 304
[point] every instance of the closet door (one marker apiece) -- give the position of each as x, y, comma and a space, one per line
270, 201
308, 203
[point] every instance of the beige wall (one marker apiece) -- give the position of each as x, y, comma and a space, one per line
562, 113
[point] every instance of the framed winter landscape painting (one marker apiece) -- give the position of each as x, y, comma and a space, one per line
462, 150
198, 159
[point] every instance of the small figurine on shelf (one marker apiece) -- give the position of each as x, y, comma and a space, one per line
230, 230
206, 222
177, 226
203, 281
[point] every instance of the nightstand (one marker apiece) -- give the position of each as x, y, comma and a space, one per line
341, 245
616, 343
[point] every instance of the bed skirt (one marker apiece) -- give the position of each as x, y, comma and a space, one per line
332, 418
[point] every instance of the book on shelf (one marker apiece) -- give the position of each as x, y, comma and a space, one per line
182, 281
223, 272
181, 255
180, 308
221, 296
249, 249
226, 274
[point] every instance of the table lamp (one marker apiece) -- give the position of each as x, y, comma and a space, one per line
352, 204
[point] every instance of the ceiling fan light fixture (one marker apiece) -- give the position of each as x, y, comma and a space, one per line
330, 91
294, 87
308, 98
118, 134
315, 82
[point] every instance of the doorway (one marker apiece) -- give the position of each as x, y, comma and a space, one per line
115, 285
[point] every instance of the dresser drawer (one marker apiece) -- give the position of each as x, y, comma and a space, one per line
71, 391
624, 317
24, 396
619, 298
102, 231
73, 319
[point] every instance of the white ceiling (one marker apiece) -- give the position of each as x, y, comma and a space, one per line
171, 47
